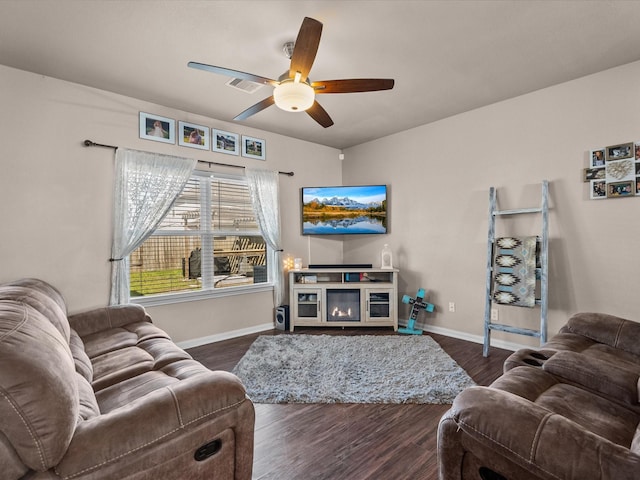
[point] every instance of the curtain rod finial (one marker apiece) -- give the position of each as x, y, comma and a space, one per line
89, 143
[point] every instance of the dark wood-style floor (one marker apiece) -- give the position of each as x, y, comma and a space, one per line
349, 441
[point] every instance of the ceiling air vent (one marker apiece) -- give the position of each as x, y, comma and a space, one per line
244, 85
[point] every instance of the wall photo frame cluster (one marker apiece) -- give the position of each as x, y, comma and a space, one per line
163, 129
614, 171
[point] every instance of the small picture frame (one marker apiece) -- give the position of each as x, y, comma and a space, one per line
598, 189
621, 189
157, 128
253, 148
192, 135
596, 158
619, 152
594, 174
637, 149
638, 186
225, 142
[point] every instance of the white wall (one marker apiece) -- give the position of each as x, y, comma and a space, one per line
56, 195
439, 177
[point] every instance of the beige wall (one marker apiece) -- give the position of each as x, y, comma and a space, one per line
56, 195
56, 199
440, 175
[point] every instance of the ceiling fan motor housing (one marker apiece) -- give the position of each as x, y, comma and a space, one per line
287, 48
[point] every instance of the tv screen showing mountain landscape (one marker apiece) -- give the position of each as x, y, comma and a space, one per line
344, 210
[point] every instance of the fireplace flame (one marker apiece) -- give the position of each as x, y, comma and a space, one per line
336, 312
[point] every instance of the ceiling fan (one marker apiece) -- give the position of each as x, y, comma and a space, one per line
293, 91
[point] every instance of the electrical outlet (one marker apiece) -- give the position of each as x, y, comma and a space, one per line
452, 306
494, 314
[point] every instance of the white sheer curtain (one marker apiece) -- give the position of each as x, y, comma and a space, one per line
146, 186
265, 197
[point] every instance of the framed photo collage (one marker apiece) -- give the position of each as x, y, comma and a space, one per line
163, 129
614, 171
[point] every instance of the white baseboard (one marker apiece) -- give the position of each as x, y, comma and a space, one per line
196, 342
474, 338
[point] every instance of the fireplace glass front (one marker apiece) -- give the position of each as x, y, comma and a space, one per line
343, 305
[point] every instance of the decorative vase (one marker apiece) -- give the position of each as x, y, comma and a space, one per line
386, 261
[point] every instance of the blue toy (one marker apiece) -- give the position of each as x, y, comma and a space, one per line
418, 303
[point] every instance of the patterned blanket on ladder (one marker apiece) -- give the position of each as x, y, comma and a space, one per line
514, 267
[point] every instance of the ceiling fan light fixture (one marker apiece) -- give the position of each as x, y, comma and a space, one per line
293, 96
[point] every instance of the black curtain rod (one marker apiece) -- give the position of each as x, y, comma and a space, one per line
89, 143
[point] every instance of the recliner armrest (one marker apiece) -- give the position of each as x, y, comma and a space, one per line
99, 319
146, 429
503, 430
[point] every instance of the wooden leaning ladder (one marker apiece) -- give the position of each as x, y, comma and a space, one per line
541, 271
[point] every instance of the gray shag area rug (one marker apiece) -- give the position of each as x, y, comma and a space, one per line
350, 369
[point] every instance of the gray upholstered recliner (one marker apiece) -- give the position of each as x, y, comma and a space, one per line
568, 411
107, 395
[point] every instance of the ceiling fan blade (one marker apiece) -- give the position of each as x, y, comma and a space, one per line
353, 85
320, 115
258, 107
232, 73
306, 47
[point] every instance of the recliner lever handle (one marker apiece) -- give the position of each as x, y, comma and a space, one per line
208, 450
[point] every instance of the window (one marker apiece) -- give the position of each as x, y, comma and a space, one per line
209, 240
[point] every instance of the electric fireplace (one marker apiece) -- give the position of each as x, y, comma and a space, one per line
333, 296
343, 305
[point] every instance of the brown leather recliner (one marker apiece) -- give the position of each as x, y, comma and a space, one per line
568, 411
107, 395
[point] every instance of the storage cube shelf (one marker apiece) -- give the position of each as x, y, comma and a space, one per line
343, 297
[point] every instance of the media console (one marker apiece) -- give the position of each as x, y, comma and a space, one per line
340, 265
343, 297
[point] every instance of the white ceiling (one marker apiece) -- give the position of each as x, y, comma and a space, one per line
446, 57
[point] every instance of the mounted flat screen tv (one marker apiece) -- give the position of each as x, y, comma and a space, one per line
344, 210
